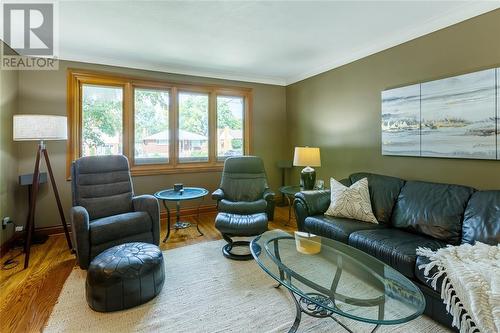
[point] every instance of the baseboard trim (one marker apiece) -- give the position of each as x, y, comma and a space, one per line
58, 229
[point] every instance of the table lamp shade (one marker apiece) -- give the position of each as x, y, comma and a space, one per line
307, 156
31, 127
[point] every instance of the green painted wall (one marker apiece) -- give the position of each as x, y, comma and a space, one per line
44, 92
8, 152
339, 110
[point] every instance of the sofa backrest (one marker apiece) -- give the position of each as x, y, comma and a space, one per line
384, 190
102, 185
432, 209
482, 218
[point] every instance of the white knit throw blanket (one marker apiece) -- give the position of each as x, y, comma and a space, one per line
471, 284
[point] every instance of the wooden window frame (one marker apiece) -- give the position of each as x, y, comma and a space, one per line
77, 78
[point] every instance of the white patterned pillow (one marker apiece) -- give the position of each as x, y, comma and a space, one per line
351, 202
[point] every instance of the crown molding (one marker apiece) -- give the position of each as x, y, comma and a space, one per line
173, 69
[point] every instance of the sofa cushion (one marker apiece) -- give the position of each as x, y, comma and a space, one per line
395, 247
384, 191
432, 209
337, 228
482, 218
119, 226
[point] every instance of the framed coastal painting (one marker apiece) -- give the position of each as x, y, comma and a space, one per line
456, 117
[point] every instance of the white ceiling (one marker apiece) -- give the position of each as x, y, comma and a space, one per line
258, 41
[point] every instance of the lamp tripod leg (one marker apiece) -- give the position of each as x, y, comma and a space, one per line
31, 214
58, 200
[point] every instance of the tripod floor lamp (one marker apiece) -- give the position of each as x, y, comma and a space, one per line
41, 128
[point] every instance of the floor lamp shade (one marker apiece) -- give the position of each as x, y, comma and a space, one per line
307, 157
32, 127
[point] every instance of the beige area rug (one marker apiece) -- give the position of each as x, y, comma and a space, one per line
205, 292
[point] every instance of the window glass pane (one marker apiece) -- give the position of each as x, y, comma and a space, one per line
193, 127
102, 115
229, 126
151, 126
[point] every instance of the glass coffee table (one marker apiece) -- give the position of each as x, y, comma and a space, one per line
338, 281
187, 193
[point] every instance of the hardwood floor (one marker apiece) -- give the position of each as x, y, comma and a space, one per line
28, 296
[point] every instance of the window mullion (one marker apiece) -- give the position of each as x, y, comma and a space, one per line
128, 122
212, 129
174, 128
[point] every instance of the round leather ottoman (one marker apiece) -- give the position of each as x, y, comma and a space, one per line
124, 276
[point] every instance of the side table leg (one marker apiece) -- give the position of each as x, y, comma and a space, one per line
198, 220
289, 210
178, 213
168, 221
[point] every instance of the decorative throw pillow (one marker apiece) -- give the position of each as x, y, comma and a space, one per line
351, 202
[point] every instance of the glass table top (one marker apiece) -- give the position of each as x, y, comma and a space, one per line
339, 278
187, 193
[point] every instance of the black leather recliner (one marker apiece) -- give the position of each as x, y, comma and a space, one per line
411, 214
244, 201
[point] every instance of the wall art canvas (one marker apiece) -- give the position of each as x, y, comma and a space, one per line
498, 113
401, 121
455, 117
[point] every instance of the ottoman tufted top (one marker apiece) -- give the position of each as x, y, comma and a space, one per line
125, 261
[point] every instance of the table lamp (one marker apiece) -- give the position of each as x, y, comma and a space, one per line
307, 157
41, 128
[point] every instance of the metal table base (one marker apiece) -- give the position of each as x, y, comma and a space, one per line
303, 305
178, 223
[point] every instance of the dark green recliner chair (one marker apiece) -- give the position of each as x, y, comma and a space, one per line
105, 211
244, 201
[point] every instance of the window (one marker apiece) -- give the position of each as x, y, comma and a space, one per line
230, 113
151, 135
102, 111
193, 127
161, 127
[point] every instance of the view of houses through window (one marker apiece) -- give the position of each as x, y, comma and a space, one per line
230, 111
193, 127
151, 134
137, 120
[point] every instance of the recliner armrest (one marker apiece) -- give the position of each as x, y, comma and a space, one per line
80, 228
269, 197
149, 204
308, 203
218, 194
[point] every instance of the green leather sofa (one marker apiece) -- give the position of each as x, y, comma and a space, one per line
411, 214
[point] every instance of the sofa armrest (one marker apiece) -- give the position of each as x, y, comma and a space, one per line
308, 203
269, 197
149, 204
80, 228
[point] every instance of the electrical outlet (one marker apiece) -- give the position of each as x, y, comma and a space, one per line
6, 220
19, 228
